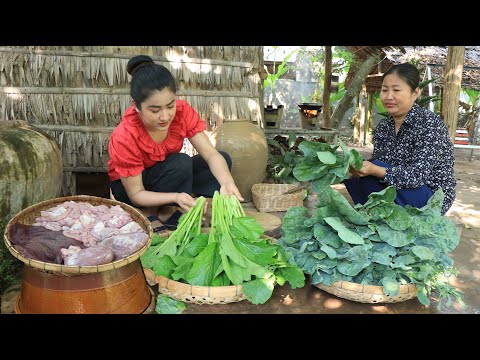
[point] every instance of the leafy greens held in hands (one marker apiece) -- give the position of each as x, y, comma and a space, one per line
322, 165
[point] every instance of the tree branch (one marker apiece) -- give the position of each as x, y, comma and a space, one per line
354, 89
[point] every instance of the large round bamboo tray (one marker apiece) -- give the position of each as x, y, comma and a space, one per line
197, 294
28, 215
368, 293
116, 287
270, 197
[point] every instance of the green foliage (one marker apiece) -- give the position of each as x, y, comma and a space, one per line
10, 267
322, 164
334, 97
234, 252
388, 249
470, 110
341, 61
282, 159
272, 78
166, 305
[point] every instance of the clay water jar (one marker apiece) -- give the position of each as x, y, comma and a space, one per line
31, 167
247, 146
118, 287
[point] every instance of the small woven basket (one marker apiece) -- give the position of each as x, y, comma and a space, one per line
269, 197
197, 294
368, 293
27, 217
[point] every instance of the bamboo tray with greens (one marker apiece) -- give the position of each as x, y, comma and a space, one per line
375, 252
230, 261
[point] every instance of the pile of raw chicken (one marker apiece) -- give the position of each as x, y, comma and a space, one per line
80, 234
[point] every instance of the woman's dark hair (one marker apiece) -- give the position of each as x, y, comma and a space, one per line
148, 77
407, 72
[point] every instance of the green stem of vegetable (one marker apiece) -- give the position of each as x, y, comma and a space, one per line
187, 229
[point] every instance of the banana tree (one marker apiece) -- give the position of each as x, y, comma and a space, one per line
272, 78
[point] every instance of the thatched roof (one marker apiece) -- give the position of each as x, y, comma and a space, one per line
433, 56
79, 93
436, 58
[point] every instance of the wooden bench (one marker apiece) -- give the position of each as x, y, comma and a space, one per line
472, 147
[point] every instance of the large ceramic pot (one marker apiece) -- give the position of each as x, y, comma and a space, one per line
31, 167
247, 146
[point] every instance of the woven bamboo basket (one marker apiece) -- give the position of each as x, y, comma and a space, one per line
368, 293
197, 294
269, 197
118, 287
28, 215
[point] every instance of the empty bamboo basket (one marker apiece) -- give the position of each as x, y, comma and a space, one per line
368, 293
270, 197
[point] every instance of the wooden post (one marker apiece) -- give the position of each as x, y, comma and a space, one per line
369, 122
362, 115
356, 121
326, 86
452, 85
260, 89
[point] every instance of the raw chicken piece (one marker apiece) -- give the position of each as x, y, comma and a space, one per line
124, 245
72, 249
94, 255
100, 232
131, 227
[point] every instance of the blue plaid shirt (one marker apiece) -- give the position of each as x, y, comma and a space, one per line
420, 154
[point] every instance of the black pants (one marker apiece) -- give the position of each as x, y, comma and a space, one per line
177, 173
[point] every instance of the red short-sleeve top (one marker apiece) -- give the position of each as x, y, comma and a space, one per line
131, 148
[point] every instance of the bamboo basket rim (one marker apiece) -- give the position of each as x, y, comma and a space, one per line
368, 293
69, 270
196, 293
269, 197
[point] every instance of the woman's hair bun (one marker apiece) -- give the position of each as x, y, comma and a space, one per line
138, 61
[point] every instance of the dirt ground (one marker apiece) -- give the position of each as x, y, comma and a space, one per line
311, 300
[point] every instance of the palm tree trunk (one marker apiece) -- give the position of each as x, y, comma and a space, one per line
326, 86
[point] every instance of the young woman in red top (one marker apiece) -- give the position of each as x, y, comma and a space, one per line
146, 168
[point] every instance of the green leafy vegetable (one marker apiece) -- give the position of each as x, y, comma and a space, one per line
233, 252
377, 243
166, 305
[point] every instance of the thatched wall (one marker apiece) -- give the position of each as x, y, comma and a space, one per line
78, 94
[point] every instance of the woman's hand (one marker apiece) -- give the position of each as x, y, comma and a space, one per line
229, 188
185, 201
368, 168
